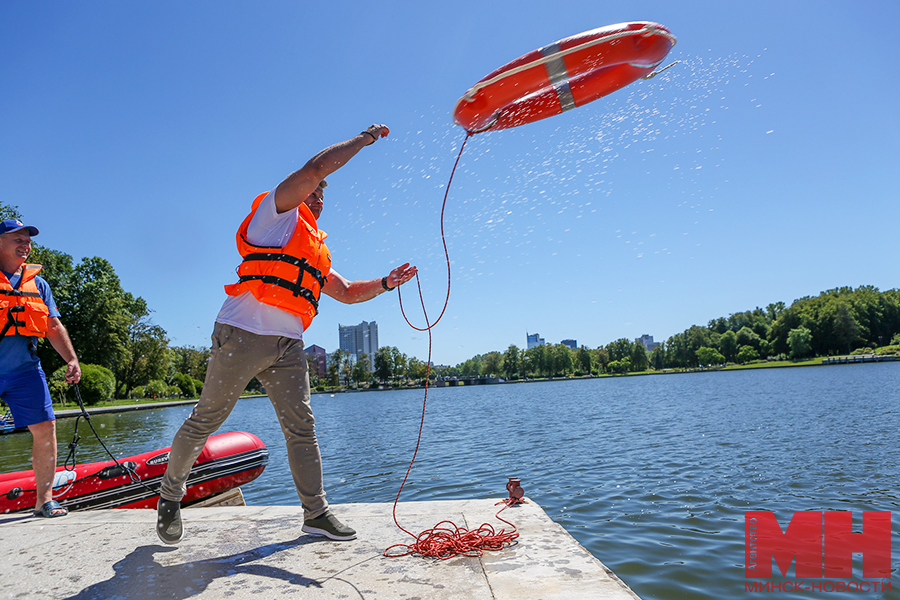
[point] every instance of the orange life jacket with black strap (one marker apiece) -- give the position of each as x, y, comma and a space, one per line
22, 310
289, 277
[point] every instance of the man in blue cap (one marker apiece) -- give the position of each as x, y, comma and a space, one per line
28, 312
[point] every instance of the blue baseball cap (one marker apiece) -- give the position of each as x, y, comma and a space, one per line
11, 225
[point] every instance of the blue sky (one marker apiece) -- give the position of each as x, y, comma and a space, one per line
762, 168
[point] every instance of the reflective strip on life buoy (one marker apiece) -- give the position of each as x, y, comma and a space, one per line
563, 75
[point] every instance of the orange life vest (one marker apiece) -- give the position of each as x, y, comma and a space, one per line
289, 277
22, 311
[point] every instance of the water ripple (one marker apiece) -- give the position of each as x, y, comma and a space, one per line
651, 474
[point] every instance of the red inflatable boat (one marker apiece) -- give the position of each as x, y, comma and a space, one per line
227, 461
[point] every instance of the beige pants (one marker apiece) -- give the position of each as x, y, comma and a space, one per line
237, 356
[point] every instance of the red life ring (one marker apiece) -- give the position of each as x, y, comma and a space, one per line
563, 75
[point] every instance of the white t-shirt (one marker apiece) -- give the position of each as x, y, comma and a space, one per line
268, 228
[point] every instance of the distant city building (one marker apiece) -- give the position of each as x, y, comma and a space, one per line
647, 341
534, 339
316, 358
356, 339
570, 343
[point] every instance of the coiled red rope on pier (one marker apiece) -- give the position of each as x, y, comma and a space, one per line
446, 539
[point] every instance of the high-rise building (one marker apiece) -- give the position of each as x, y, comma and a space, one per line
647, 341
570, 343
534, 339
356, 339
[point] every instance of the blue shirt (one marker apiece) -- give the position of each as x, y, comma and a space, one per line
15, 356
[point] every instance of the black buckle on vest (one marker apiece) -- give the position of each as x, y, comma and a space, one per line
11, 320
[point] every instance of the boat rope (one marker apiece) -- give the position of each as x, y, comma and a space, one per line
446, 539
125, 467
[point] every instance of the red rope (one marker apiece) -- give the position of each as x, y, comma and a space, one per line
446, 539
450, 541
446, 256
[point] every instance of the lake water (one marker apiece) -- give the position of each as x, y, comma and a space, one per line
651, 474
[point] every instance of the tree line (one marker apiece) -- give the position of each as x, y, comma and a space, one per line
122, 352
389, 366
125, 355
836, 322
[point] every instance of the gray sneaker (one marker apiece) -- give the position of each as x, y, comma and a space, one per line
168, 521
327, 524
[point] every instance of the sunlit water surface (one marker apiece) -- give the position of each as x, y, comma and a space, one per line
651, 474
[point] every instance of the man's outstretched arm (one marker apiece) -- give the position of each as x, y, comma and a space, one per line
291, 192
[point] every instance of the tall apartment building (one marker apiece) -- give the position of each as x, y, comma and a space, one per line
356, 339
647, 341
570, 344
534, 339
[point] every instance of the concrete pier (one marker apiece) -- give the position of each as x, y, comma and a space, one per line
259, 552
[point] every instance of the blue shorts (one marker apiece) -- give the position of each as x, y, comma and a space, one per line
28, 397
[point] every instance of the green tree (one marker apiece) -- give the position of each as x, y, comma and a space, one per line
146, 351
97, 383
98, 317
658, 357
746, 354
512, 362
347, 370
620, 366
584, 360
156, 388
336, 367
490, 364
639, 359
190, 360
416, 369
773, 310
619, 349
470, 368
709, 356
361, 369
536, 361
800, 342
845, 329
728, 345
186, 384
398, 361
601, 359
747, 337
8, 211
788, 319
57, 271
560, 360
384, 369
254, 386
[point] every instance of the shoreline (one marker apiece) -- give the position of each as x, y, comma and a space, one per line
66, 413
